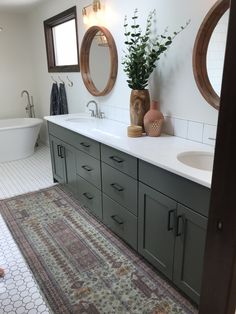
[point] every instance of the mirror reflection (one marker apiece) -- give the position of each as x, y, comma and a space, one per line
216, 53
99, 61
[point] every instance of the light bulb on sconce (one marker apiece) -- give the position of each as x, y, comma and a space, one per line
85, 16
96, 5
94, 16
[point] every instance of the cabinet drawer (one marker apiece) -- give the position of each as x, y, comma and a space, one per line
119, 160
120, 220
120, 187
79, 141
184, 191
90, 196
89, 168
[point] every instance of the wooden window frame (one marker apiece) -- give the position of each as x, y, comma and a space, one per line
58, 19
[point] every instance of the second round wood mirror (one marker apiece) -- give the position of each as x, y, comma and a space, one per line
98, 61
208, 52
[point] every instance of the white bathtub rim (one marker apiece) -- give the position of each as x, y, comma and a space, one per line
16, 123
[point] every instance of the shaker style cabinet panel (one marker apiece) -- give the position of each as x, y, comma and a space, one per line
89, 168
120, 221
156, 229
63, 158
79, 141
172, 238
89, 196
119, 160
58, 164
120, 187
182, 190
70, 166
189, 251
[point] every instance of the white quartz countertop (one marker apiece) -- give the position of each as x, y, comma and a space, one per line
160, 151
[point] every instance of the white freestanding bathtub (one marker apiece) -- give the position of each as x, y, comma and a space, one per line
18, 137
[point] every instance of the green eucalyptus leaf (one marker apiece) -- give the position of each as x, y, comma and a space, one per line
143, 51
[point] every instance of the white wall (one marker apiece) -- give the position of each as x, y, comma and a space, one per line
172, 83
15, 64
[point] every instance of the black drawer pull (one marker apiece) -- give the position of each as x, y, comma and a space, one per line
87, 168
169, 227
116, 159
88, 196
178, 231
84, 144
117, 219
62, 150
59, 150
117, 187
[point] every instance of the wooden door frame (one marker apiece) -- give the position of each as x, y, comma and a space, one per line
218, 294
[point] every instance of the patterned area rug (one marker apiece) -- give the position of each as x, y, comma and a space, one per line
79, 264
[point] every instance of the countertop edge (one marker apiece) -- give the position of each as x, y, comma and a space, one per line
134, 154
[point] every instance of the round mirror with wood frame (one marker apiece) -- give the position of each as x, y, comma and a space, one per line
200, 52
85, 63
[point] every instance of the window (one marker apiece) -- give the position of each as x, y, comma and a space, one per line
62, 42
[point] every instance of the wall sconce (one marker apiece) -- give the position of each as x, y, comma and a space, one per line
101, 40
96, 7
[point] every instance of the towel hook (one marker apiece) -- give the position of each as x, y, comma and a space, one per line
70, 84
53, 79
61, 79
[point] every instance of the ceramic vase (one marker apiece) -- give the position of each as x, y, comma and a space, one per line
153, 120
139, 105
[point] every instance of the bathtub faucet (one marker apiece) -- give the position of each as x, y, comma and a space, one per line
30, 106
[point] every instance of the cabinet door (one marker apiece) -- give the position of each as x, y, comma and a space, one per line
156, 228
58, 163
189, 251
69, 155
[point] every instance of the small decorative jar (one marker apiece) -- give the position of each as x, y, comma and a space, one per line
153, 120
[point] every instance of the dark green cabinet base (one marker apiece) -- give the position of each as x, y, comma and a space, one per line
158, 213
172, 237
120, 220
63, 163
189, 252
89, 196
156, 228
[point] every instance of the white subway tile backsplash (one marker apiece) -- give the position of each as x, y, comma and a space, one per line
192, 130
168, 125
209, 134
180, 128
195, 131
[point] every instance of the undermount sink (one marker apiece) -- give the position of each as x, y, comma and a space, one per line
81, 119
199, 160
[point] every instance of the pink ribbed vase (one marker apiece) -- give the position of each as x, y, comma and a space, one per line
153, 120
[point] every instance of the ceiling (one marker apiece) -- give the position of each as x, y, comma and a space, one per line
18, 4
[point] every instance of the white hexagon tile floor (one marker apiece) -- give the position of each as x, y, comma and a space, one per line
19, 292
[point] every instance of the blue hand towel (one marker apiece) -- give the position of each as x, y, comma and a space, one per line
54, 100
63, 99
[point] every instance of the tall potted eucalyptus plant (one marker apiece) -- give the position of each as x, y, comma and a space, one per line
141, 55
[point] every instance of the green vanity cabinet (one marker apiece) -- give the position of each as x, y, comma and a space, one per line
189, 251
63, 158
171, 234
172, 238
76, 164
58, 163
156, 236
90, 197
157, 212
120, 193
